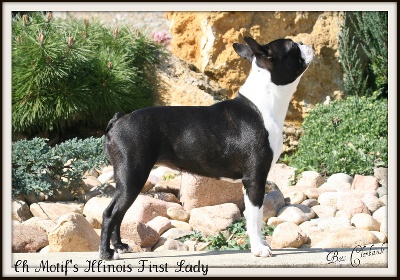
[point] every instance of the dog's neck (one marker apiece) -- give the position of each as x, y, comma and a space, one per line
271, 100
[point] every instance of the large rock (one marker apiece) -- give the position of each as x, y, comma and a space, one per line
198, 191
364, 183
273, 202
311, 179
381, 174
351, 203
20, 210
295, 197
160, 224
181, 83
347, 238
54, 210
288, 235
144, 209
293, 214
44, 225
28, 239
205, 39
282, 175
178, 214
141, 234
73, 234
365, 221
210, 220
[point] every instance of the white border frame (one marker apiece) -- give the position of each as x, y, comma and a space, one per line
391, 7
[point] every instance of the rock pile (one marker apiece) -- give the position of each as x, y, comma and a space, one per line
338, 212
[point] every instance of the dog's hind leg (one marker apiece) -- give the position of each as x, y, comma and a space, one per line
129, 184
253, 199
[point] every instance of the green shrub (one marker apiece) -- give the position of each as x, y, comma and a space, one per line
36, 167
68, 72
234, 238
363, 53
349, 136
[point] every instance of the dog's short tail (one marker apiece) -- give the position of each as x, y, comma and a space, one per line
113, 120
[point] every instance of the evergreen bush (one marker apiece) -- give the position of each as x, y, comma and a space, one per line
68, 72
36, 167
363, 53
349, 136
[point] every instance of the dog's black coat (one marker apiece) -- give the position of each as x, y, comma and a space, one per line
227, 139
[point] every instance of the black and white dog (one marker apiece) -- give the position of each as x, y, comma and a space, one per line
239, 139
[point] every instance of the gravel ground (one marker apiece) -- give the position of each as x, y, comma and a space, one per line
152, 21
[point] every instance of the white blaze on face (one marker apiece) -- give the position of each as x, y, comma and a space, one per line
306, 53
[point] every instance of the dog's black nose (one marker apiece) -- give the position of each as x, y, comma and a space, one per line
300, 42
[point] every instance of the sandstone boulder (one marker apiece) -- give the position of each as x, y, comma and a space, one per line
178, 214
282, 175
273, 202
210, 220
54, 210
168, 197
288, 235
364, 183
144, 209
198, 191
292, 214
180, 224
322, 211
311, 179
28, 239
73, 234
139, 233
205, 39
381, 214
160, 224
365, 221
295, 197
44, 225
351, 203
347, 238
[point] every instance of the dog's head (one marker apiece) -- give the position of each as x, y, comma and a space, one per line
284, 59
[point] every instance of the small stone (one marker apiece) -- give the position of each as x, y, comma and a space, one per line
310, 202
365, 221
382, 191
20, 211
364, 183
306, 210
328, 199
340, 178
384, 199
288, 235
295, 197
292, 214
381, 174
181, 225
372, 202
380, 214
178, 214
274, 221
311, 179
273, 202
160, 224
384, 227
322, 211
381, 236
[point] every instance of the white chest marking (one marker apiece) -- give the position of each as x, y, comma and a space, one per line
272, 101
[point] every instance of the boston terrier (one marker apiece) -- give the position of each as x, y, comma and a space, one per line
238, 139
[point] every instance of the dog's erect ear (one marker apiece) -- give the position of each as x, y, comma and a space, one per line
262, 53
244, 51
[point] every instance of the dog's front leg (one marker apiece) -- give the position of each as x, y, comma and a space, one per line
254, 214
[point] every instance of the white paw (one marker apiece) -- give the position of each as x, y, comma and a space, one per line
261, 251
125, 250
115, 256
